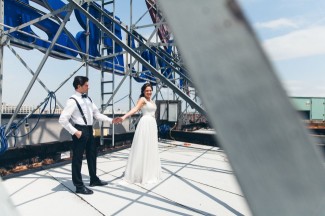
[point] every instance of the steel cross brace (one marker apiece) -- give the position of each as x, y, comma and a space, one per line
139, 58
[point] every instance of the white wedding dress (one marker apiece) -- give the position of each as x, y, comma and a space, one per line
143, 164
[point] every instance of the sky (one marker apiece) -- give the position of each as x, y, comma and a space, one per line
292, 33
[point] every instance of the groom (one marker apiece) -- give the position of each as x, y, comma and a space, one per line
82, 111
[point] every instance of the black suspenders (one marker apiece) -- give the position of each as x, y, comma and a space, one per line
82, 113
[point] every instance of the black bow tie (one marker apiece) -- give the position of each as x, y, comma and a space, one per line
84, 96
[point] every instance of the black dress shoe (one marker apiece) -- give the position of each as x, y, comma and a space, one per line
98, 183
84, 190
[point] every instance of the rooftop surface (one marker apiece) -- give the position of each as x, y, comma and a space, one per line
196, 180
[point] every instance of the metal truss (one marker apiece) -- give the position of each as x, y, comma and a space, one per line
172, 62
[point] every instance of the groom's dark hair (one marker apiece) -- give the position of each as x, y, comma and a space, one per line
79, 80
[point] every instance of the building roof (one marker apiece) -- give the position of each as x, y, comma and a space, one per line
197, 180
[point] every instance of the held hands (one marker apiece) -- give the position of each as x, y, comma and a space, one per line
117, 120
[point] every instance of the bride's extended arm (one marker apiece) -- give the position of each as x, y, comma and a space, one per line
139, 105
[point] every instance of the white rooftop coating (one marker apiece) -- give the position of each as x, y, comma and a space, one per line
197, 180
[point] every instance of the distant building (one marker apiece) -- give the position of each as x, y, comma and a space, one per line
26, 109
8, 109
310, 108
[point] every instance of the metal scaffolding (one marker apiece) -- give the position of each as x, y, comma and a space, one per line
163, 67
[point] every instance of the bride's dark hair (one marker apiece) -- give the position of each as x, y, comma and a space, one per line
144, 88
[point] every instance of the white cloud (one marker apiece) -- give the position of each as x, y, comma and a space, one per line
300, 43
303, 89
276, 24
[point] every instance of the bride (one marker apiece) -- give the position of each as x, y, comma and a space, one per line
143, 164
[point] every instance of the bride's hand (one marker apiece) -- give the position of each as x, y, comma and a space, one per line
117, 120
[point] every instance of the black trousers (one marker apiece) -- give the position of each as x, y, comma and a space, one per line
84, 143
